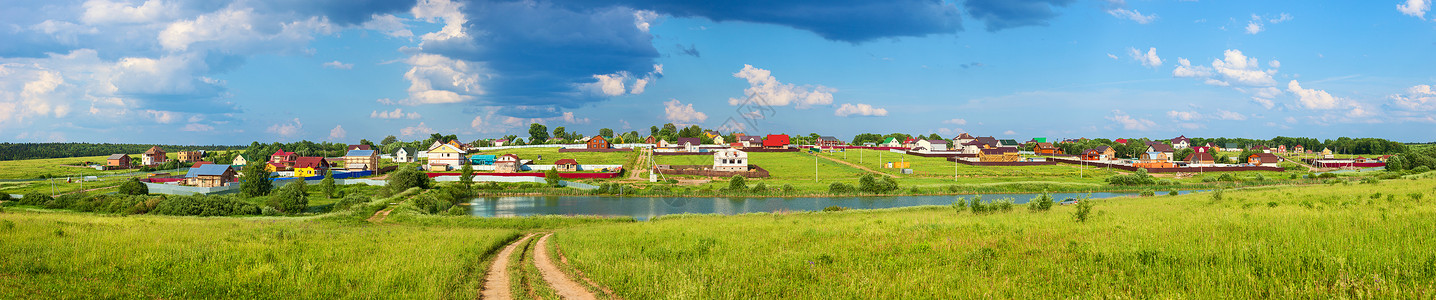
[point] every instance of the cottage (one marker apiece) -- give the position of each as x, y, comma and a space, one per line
366, 160
731, 160
964, 138
776, 141
931, 145
1164, 148
284, 158
1155, 156
241, 160
1007, 143
153, 156
1326, 153
1232, 147
891, 142
1091, 154
1045, 149
828, 141
710, 134
1280, 148
310, 166
1258, 159
566, 165
1154, 160
598, 142
1299, 149
689, 144
190, 156
1099, 153
650, 140
1201, 155
358, 147
501, 142
404, 155
1181, 142
445, 157
751, 141
718, 140
210, 175
118, 161
909, 143
508, 163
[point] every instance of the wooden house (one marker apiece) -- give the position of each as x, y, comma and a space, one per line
1003, 154
153, 156
508, 163
1045, 149
1164, 148
891, 142
751, 141
776, 141
718, 140
446, 157
358, 147
365, 160
189, 156
310, 166
829, 141
1258, 159
650, 140
566, 165
210, 175
709, 134
598, 142
1280, 148
730, 160
241, 160
1154, 160
118, 161
1326, 153
689, 144
1299, 149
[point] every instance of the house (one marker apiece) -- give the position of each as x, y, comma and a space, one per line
405, 155
1002, 154
1164, 148
508, 163
284, 158
598, 142
773, 141
718, 140
689, 144
446, 157
482, 160
1154, 160
190, 156
367, 160
1326, 153
710, 134
909, 143
964, 138
1007, 143
210, 175
1280, 148
1091, 154
1121, 141
751, 141
1099, 153
891, 142
988, 142
1258, 159
1201, 155
358, 147
240, 160
1299, 149
1181, 142
153, 156
931, 145
500, 142
310, 166
1210, 145
971, 148
1232, 147
1155, 156
118, 161
730, 160
828, 141
1045, 149
566, 165
275, 167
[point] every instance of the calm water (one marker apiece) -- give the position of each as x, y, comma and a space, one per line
643, 208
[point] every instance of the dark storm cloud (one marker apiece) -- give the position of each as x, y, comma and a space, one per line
839, 20
1004, 14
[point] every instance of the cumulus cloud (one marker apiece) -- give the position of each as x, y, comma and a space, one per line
1312, 98
1184, 115
767, 90
389, 25
1148, 59
1118, 8
1230, 115
286, 129
338, 65
337, 133
197, 127
395, 114
1416, 98
955, 122
1415, 8
1254, 27
873, 19
438, 79
680, 113
1130, 123
1237, 71
1010, 132
848, 109
1003, 14
420, 129
614, 84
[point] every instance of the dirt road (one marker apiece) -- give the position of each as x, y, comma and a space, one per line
496, 284
563, 285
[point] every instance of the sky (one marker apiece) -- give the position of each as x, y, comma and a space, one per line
231, 72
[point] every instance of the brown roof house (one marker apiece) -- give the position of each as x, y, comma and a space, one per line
566, 165
118, 161
154, 156
508, 163
1263, 159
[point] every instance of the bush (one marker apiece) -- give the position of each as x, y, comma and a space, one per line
960, 205
737, 183
1043, 202
760, 188
134, 187
1172, 193
1228, 177
871, 184
256, 181
35, 198
551, 177
1084, 210
840, 188
430, 203
204, 206
406, 178
5, 197
269, 211
1148, 193
291, 199
1415, 196
1370, 180
671, 181
349, 201
788, 188
327, 185
1217, 195
835, 208
1421, 169
456, 211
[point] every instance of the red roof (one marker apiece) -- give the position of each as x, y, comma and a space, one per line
776, 140
282, 153
310, 162
1121, 141
200, 163
566, 161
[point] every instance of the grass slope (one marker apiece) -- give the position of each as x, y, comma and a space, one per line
1307, 242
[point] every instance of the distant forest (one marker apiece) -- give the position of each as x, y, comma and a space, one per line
13, 151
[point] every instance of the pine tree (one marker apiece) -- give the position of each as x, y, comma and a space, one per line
327, 185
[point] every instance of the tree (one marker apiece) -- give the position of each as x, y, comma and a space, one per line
537, 133
134, 187
606, 133
291, 199
466, 175
669, 131
407, 178
438, 137
560, 132
652, 130
1183, 154
256, 180
551, 177
737, 183
389, 140
327, 185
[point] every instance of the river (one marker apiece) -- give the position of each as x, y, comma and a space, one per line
644, 208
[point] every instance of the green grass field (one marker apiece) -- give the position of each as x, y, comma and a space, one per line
1340, 241
60, 255
551, 155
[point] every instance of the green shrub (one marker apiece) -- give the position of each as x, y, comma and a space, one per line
204, 206
788, 188
293, 198
456, 211
871, 184
1084, 210
1043, 202
349, 201
406, 178
1148, 193
737, 184
1370, 180
133, 187
1217, 195
960, 205
760, 188
840, 188
35, 198
835, 208
1415, 196
1228, 177
551, 177
1172, 193
671, 181
1421, 169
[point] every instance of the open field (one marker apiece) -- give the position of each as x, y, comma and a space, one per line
551, 155
34, 168
1357, 240
59, 255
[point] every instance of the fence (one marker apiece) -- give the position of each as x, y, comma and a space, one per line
934, 153
513, 179
174, 189
1171, 170
1003, 163
536, 174
565, 150
705, 170
575, 146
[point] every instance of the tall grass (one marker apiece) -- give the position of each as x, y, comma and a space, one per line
1291, 242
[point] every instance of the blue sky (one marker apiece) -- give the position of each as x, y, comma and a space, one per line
205, 72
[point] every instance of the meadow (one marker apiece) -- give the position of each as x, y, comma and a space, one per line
1333, 241
551, 155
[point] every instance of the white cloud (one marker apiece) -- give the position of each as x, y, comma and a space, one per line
955, 122
1130, 123
643, 19
1235, 69
848, 109
1311, 98
395, 114
420, 129
448, 11
567, 117
1230, 115
338, 65
1416, 98
766, 90
1113, 56
1190, 125
1184, 115
678, 112
388, 24
337, 133
197, 127
478, 123
240, 29
286, 129
385, 101
109, 12
438, 79
1254, 27
1148, 59
1283, 17
1009, 132
614, 84
1118, 8
1264, 102
1186, 69
1415, 8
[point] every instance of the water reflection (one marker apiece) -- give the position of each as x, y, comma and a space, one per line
644, 208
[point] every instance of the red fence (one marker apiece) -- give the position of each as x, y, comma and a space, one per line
705, 170
940, 154
1003, 163
538, 174
1173, 170
564, 150
682, 153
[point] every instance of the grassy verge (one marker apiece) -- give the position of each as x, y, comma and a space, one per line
1342, 240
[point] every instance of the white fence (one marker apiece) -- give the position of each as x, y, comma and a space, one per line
571, 146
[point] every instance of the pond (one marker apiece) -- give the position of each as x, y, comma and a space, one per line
644, 208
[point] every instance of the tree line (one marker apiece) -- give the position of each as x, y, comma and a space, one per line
19, 151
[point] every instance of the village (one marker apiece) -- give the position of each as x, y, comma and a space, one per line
594, 159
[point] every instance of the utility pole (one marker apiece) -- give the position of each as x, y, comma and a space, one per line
815, 164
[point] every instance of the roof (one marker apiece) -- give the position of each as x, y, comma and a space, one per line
503, 157
359, 147
566, 161
310, 162
987, 140
1161, 148
1102, 148
200, 163
775, 140
1232, 145
118, 156
360, 153
1266, 157
446, 148
827, 138
1121, 141
154, 150
889, 140
282, 153
751, 139
964, 136
1180, 139
936, 142
693, 141
406, 150
1199, 157
207, 170
1044, 145
242, 156
1008, 142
